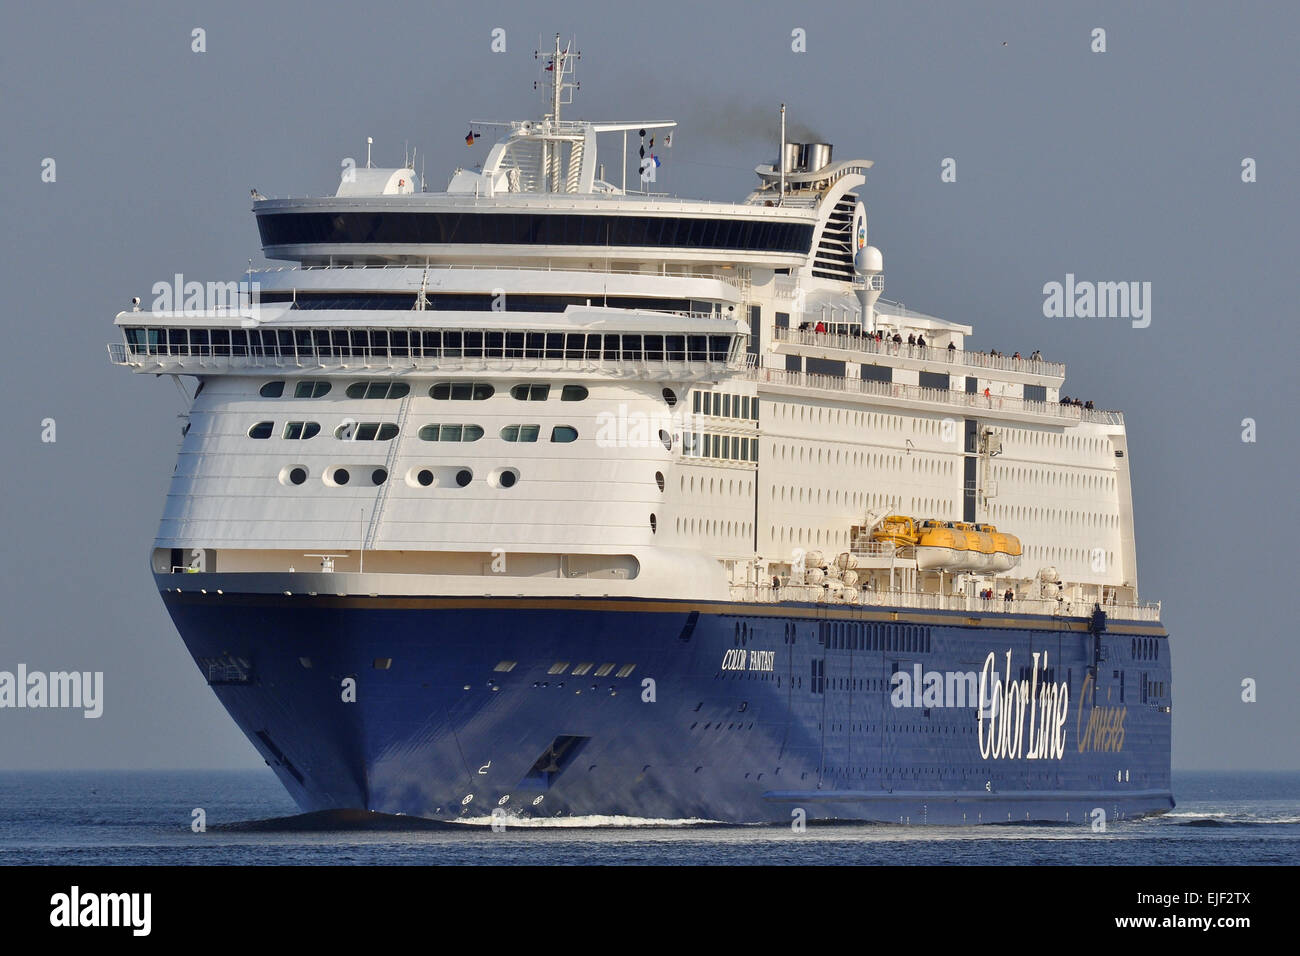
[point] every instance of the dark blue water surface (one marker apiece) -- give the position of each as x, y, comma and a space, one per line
145, 818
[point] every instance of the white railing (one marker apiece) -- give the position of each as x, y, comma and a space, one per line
926, 600
925, 353
942, 396
376, 359
456, 267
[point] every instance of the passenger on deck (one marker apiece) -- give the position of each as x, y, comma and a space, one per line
920, 340
952, 347
821, 327
1009, 596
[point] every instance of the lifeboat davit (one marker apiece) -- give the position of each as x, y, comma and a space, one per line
899, 529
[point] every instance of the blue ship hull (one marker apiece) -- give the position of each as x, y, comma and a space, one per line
450, 708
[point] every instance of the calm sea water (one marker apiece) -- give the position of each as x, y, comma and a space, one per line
144, 818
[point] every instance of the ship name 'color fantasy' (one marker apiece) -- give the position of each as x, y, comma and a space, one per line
554, 494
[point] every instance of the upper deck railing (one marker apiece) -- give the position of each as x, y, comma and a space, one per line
416, 266
939, 396
926, 353
925, 600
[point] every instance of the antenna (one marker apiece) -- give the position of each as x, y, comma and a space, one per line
560, 66
780, 157
370, 141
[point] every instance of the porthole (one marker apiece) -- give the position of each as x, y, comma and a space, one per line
261, 430
464, 477
293, 475
379, 476
425, 477
573, 393
666, 438
340, 476
271, 390
654, 524
659, 480
670, 397
504, 478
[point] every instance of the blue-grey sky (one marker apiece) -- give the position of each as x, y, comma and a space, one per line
1122, 165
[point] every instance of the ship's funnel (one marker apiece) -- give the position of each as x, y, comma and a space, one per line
815, 156
790, 158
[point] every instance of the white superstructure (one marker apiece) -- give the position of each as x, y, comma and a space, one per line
546, 380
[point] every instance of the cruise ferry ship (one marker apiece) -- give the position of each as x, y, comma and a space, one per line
549, 495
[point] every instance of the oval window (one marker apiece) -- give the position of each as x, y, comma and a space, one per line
666, 438
573, 393
261, 430
564, 434
659, 480
272, 390
670, 397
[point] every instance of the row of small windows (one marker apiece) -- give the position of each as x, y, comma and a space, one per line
529, 433
728, 487
715, 527
579, 670
1146, 649
372, 343
722, 447
1078, 519
860, 636
443, 391
300, 389
425, 477
387, 431
292, 430
1043, 476
726, 405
